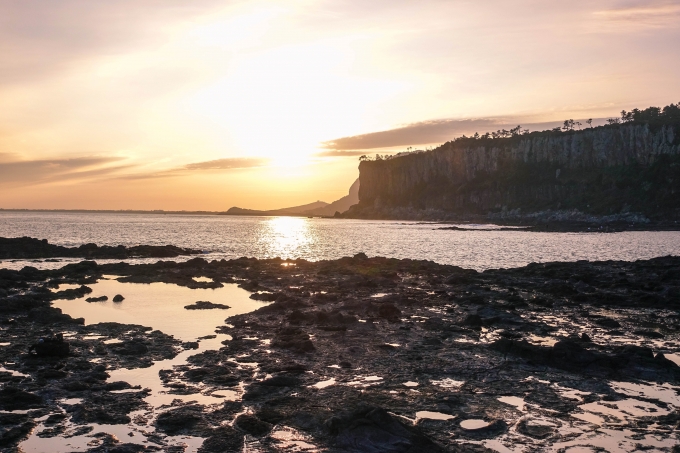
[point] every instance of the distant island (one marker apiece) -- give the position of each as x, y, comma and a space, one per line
318, 208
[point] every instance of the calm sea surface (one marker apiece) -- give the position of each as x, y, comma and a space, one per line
317, 239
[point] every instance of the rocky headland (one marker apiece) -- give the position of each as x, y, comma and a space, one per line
362, 354
627, 173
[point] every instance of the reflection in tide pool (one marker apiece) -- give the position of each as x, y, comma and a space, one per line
161, 306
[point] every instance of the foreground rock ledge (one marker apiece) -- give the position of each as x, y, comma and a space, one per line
31, 248
357, 354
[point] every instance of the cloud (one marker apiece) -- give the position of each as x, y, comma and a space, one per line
48, 37
29, 172
230, 163
429, 132
435, 131
339, 153
647, 14
8, 157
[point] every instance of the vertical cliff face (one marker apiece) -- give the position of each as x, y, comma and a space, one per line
601, 170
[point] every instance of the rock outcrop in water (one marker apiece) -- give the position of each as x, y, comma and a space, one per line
31, 248
602, 171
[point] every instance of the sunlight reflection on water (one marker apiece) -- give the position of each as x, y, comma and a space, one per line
287, 236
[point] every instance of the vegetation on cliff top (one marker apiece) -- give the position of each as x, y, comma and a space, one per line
653, 117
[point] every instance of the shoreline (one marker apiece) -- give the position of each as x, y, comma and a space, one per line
373, 341
526, 223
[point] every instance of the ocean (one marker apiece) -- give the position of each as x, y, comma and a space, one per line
324, 239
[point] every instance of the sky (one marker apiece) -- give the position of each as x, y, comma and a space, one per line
205, 105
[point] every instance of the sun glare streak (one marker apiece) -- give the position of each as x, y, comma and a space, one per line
286, 237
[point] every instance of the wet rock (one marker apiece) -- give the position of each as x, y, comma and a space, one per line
133, 347
12, 398
205, 305
492, 429
118, 298
372, 430
293, 339
535, 429
264, 296
251, 285
473, 320
389, 312
51, 373
458, 370
117, 385
97, 299
75, 386
71, 294
270, 415
14, 428
94, 414
112, 446
50, 346
106, 408
222, 439
55, 418
181, 421
252, 425
28, 248
213, 374
607, 322
649, 334
282, 381
52, 315
297, 317
273, 386
564, 354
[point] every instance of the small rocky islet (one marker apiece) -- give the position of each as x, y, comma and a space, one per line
362, 354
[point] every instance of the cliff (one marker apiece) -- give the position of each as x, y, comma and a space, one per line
601, 171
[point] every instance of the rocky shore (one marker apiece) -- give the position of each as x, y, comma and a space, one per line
362, 354
31, 248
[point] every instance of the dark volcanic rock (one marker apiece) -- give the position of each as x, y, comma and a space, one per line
14, 428
372, 430
222, 439
205, 305
97, 299
132, 347
29, 248
294, 339
182, 420
608, 322
12, 398
50, 346
389, 312
446, 344
252, 425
